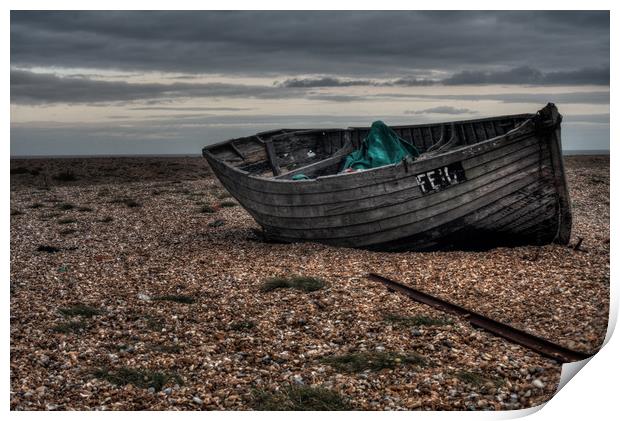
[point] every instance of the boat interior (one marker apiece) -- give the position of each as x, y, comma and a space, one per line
284, 153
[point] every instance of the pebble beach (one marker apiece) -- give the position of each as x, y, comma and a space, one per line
139, 283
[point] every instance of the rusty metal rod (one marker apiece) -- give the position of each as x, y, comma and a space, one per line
535, 343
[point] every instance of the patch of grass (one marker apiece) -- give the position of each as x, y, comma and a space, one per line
68, 231
410, 321
65, 206
228, 204
48, 249
70, 327
166, 349
207, 209
154, 323
242, 325
130, 203
106, 219
65, 221
477, 379
303, 283
127, 201
223, 195
80, 310
183, 299
374, 361
138, 377
65, 176
216, 223
299, 398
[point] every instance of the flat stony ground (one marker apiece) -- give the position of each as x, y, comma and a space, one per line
127, 293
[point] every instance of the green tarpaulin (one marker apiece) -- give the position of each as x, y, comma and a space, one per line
381, 147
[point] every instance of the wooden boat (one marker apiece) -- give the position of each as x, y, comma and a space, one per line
477, 184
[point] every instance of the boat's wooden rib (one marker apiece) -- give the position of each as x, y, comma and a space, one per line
512, 179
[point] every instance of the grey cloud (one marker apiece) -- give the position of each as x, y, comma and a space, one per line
323, 82
372, 43
526, 75
523, 75
591, 97
190, 109
442, 110
586, 97
44, 88
33, 88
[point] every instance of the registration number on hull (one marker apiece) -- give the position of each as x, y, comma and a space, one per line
441, 178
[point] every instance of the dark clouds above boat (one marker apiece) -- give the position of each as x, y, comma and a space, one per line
474, 47
34, 88
48, 88
523, 75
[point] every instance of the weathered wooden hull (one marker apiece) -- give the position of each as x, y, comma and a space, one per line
511, 190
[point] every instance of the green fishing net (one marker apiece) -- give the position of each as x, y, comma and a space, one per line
381, 147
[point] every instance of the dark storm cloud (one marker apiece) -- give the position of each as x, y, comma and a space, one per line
36, 88
323, 82
526, 75
442, 110
590, 97
46, 88
364, 44
523, 75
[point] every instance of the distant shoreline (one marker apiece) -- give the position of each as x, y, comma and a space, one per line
584, 152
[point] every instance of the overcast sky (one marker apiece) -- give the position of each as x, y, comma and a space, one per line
87, 83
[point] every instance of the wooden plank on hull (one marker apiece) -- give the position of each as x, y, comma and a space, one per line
392, 193
415, 220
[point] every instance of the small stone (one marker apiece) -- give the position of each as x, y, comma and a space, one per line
416, 332
447, 343
144, 297
151, 390
537, 383
197, 400
167, 391
380, 348
298, 379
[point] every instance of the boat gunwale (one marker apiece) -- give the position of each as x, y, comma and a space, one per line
407, 161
